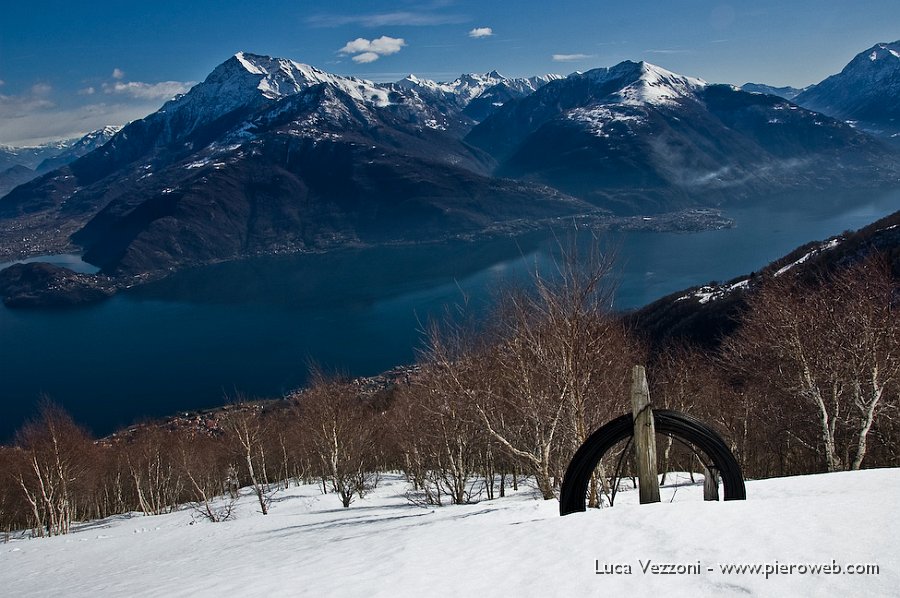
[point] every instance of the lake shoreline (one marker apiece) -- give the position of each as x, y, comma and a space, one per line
70, 288
252, 327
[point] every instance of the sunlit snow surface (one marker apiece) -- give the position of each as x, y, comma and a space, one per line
517, 546
659, 87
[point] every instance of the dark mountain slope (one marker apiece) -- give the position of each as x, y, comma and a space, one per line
704, 315
637, 138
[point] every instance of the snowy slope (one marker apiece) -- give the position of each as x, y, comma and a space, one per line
517, 546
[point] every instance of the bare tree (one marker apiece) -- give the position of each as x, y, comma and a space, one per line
151, 461
340, 431
833, 347
55, 452
556, 368
245, 427
443, 438
204, 464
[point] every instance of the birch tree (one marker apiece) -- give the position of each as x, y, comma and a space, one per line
831, 349
339, 430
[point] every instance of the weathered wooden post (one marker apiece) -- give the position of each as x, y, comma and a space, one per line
644, 436
710, 483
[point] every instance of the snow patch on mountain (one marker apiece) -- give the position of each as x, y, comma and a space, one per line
820, 249
708, 293
658, 87
468, 87
598, 119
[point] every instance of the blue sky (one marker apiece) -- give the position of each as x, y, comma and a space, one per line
69, 67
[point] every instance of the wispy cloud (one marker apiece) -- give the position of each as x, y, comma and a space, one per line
387, 19
41, 113
40, 89
366, 57
481, 32
31, 122
17, 106
370, 50
571, 57
148, 91
668, 51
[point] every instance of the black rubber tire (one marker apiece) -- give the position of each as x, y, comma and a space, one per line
681, 425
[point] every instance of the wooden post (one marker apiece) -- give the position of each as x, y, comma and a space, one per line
644, 436
710, 484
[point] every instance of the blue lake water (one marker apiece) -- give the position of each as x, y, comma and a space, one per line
253, 326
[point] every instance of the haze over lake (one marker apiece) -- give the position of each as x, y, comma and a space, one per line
253, 326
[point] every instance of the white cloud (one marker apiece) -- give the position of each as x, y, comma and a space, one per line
118, 73
163, 90
2, 82
366, 50
29, 120
41, 114
383, 46
360, 44
366, 57
14, 107
571, 57
481, 32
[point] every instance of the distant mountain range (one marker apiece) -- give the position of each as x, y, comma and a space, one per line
636, 138
788, 93
866, 92
21, 164
268, 155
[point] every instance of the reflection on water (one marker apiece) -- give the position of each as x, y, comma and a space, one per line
70, 261
254, 326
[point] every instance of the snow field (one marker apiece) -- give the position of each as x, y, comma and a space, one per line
516, 546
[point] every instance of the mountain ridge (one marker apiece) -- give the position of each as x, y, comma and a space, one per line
271, 155
866, 91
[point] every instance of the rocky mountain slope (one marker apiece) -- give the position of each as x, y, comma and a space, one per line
268, 155
866, 91
636, 138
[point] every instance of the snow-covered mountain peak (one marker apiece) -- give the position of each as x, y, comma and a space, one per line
644, 83
105, 133
411, 82
280, 77
881, 61
866, 91
657, 86
251, 81
471, 85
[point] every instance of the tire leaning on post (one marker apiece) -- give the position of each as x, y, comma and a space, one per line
674, 423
